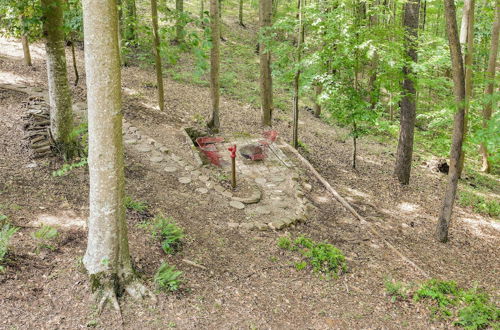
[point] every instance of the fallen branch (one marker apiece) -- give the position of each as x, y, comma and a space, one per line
194, 264
351, 209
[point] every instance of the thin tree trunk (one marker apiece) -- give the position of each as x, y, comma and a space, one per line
61, 115
490, 76
296, 80
131, 33
26, 50
459, 121
214, 122
240, 13
266, 84
156, 45
75, 68
179, 28
467, 42
402, 169
354, 144
202, 8
107, 258
318, 88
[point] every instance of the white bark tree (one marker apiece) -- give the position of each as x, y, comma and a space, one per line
107, 258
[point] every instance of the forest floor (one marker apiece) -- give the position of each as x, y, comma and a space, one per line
248, 282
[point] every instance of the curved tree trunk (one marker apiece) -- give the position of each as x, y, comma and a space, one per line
318, 88
107, 257
61, 114
26, 50
402, 169
214, 123
459, 121
266, 84
156, 46
490, 75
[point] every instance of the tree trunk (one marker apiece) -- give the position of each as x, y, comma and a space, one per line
240, 13
467, 42
156, 46
459, 121
75, 68
107, 258
318, 88
26, 50
214, 123
61, 115
131, 20
296, 80
179, 28
490, 76
402, 169
202, 8
266, 85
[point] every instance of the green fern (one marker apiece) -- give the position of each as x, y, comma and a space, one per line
168, 278
44, 236
5, 235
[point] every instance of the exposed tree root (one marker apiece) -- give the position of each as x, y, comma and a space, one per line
103, 296
139, 291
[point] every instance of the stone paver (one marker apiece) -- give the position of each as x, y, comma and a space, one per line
185, 179
237, 205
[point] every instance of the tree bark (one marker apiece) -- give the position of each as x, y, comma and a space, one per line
202, 8
240, 13
156, 46
402, 169
467, 42
296, 79
131, 19
266, 84
318, 88
214, 123
75, 68
179, 28
26, 50
490, 76
61, 114
107, 258
459, 121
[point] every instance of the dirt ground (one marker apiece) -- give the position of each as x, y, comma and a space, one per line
249, 281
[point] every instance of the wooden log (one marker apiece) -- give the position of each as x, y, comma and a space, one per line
40, 145
344, 203
42, 149
37, 139
43, 154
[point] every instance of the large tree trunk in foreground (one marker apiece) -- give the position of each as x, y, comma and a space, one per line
156, 45
467, 42
459, 121
214, 123
490, 75
402, 169
266, 85
26, 50
61, 114
107, 258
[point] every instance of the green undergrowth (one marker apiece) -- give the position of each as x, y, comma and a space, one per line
168, 278
321, 257
170, 234
134, 205
6, 233
468, 308
44, 237
68, 167
479, 203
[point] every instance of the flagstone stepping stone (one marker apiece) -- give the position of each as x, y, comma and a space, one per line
233, 224
261, 181
227, 194
277, 224
144, 148
201, 190
170, 169
252, 199
156, 159
203, 178
237, 205
185, 179
189, 168
131, 141
175, 157
195, 173
219, 188
278, 179
262, 210
164, 149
